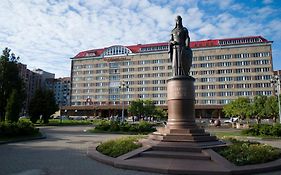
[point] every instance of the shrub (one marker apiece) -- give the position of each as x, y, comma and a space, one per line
118, 147
145, 127
124, 127
115, 126
264, 130
104, 125
20, 128
246, 153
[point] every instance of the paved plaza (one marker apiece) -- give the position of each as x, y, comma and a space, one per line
62, 153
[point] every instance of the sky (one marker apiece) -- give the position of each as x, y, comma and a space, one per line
47, 33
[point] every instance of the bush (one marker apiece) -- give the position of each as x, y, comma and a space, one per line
118, 147
103, 125
20, 128
125, 127
145, 127
114, 126
246, 153
264, 130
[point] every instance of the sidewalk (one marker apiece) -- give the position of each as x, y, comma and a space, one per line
64, 153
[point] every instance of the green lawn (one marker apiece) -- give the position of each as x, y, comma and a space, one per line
222, 134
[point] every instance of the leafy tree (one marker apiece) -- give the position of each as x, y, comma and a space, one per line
240, 107
159, 113
145, 108
259, 107
136, 108
228, 109
13, 107
50, 106
42, 104
9, 82
271, 107
149, 108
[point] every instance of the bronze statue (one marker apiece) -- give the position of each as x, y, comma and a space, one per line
179, 49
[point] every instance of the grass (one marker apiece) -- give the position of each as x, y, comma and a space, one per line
222, 134
120, 146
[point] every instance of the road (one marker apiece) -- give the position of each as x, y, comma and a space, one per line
62, 153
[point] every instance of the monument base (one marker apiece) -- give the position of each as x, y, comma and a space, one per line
181, 125
193, 135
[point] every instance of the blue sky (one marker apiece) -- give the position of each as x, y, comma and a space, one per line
46, 33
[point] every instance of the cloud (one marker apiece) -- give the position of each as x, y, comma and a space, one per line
45, 34
267, 2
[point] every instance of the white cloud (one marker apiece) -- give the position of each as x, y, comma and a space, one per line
45, 34
267, 1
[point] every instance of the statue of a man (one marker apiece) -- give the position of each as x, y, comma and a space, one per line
179, 49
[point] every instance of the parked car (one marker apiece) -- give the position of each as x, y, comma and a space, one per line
231, 120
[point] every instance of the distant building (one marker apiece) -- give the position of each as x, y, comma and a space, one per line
224, 69
33, 80
44, 76
61, 89
277, 73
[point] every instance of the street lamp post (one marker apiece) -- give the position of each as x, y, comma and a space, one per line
275, 80
122, 87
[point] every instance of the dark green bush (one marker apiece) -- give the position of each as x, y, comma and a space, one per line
276, 130
20, 128
124, 127
134, 128
246, 153
264, 130
103, 125
118, 147
145, 126
115, 126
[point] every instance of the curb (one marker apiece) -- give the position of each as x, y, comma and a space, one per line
227, 168
24, 139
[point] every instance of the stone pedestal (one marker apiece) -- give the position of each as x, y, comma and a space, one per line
181, 126
181, 99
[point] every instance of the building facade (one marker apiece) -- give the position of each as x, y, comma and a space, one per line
33, 80
62, 91
224, 69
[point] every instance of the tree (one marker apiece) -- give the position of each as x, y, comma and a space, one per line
42, 104
240, 107
9, 81
145, 108
50, 105
13, 108
136, 108
271, 107
149, 108
160, 114
259, 107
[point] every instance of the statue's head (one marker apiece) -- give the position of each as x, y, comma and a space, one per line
178, 21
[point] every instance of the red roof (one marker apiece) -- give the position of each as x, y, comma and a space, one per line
194, 44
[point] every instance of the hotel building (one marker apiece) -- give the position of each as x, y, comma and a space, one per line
224, 69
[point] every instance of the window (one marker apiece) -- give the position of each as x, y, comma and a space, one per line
116, 50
